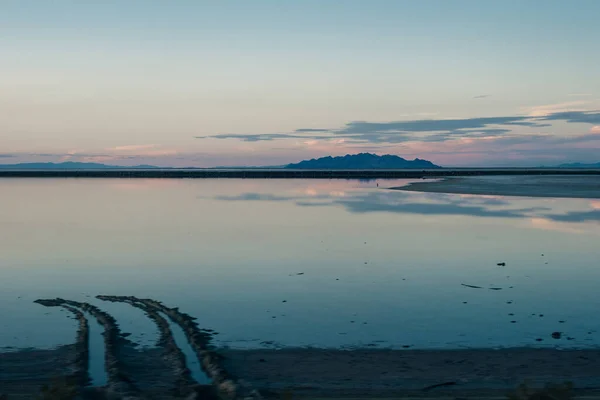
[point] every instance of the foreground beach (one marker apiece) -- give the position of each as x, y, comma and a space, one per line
577, 186
333, 373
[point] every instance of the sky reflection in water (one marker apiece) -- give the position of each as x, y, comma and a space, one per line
378, 267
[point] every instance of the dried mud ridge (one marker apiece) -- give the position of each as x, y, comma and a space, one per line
120, 373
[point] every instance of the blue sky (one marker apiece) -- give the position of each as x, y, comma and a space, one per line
209, 83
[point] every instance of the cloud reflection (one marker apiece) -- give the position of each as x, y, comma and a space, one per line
361, 201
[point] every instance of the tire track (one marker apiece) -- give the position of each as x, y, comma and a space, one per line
227, 386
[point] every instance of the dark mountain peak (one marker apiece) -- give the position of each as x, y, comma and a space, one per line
363, 161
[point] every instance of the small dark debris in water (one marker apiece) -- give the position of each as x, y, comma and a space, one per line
365, 242
428, 388
556, 335
570, 338
539, 340
464, 302
541, 315
546, 263
471, 286
342, 333
561, 322
364, 323
403, 279
509, 302
542, 255
511, 314
284, 301
262, 360
300, 273
365, 263
590, 332
407, 346
351, 322
273, 316
495, 288
501, 264
337, 279
513, 322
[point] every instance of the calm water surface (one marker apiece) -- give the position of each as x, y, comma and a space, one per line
272, 263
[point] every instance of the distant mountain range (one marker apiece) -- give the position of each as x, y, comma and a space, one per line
363, 161
69, 165
580, 165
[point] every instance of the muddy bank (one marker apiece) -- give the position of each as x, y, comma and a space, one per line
171, 353
118, 381
525, 186
226, 384
330, 373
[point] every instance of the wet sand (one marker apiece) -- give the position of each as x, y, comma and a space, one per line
576, 186
332, 373
411, 373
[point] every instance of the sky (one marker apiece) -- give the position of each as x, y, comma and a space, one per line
268, 82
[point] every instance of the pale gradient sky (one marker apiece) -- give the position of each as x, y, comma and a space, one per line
207, 83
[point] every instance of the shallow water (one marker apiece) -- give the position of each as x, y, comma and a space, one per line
356, 264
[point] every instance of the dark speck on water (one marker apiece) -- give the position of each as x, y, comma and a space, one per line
513, 322
471, 286
556, 335
501, 264
539, 340
561, 322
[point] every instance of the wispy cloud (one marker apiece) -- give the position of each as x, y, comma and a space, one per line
133, 147
549, 109
580, 94
482, 96
595, 129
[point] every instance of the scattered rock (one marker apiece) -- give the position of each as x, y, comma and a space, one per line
471, 286
556, 335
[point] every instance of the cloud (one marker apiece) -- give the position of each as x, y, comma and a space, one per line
461, 141
549, 109
579, 117
260, 137
304, 130
482, 96
579, 94
576, 216
134, 147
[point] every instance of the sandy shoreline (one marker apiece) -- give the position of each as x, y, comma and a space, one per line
382, 373
586, 187
374, 373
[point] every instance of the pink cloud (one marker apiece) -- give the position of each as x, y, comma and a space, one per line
595, 129
133, 147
